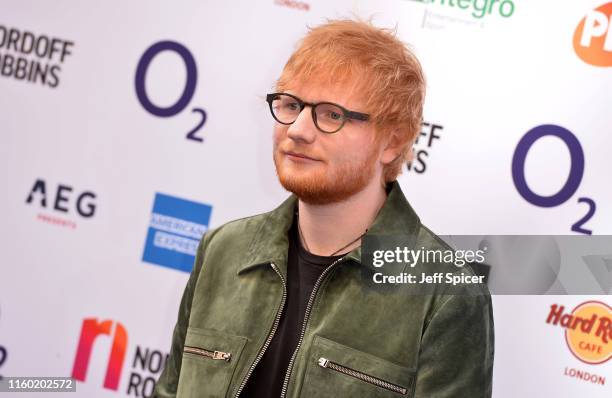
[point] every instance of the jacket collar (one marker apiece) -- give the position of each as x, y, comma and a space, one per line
271, 242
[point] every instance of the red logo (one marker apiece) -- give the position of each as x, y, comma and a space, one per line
90, 330
588, 330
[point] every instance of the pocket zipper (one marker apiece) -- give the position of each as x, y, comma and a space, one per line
326, 363
226, 356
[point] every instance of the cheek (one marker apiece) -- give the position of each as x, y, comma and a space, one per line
353, 149
280, 132
358, 151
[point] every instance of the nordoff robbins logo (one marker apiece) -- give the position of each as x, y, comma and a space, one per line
588, 330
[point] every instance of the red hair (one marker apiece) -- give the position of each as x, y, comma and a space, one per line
383, 69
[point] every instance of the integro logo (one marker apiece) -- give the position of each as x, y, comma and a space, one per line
593, 37
477, 8
588, 330
176, 227
146, 363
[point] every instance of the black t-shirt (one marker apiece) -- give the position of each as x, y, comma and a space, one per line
303, 270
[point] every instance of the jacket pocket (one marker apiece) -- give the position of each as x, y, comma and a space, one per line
336, 370
209, 362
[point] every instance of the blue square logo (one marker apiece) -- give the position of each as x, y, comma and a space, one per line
176, 227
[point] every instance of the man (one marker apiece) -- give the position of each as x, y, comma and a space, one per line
282, 304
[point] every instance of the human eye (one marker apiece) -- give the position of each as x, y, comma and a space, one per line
332, 115
292, 106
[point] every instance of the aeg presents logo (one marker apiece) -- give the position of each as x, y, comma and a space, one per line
593, 37
588, 330
90, 330
60, 199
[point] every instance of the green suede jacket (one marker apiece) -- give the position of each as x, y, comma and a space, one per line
359, 340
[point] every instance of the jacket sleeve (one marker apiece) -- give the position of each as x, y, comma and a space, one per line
456, 358
167, 383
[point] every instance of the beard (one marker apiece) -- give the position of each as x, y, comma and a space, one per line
319, 184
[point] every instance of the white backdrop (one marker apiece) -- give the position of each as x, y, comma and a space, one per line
96, 164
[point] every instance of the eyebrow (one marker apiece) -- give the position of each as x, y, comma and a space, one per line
318, 100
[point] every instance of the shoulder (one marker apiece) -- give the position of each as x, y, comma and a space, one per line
428, 239
237, 233
470, 294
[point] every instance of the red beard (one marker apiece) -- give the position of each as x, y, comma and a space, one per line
318, 183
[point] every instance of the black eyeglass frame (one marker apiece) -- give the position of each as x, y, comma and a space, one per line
346, 113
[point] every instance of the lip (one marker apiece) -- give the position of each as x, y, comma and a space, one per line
298, 156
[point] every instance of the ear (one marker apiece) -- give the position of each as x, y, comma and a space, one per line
392, 148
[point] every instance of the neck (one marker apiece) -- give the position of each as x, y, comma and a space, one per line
327, 228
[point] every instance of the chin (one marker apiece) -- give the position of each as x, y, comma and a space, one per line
322, 185
317, 189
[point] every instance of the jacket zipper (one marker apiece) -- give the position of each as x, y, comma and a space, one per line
270, 335
326, 363
226, 356
313, 294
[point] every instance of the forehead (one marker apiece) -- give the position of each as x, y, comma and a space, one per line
345, 93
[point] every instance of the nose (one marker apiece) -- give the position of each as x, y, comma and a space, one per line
303, 129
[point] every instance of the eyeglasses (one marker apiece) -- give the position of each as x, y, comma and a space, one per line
327, 116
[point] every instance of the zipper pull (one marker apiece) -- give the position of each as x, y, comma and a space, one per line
323, 362
226, 356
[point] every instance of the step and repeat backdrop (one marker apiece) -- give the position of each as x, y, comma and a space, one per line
130, 128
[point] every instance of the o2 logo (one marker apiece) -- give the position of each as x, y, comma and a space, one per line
188, 91
573, 180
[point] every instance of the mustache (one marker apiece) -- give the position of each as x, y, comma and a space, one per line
297, 151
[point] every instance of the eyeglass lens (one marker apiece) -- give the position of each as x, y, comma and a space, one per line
286, 109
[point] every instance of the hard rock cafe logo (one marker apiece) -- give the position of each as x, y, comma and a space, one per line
588, 330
